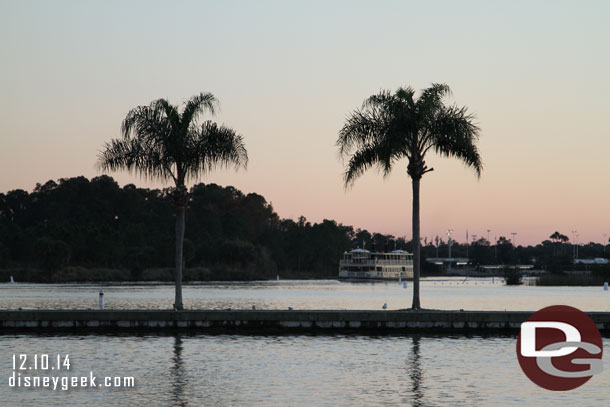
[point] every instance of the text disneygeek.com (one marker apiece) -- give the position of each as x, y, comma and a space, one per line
43, 363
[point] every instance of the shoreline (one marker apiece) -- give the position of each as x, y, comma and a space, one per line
360, 322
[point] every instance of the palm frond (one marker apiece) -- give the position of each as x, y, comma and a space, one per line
435, 93
171, 113
361, 127
213, 146
406, 95
454, 134
196, 106
146, 121
361, 160
431, 101
135, 157
379, 100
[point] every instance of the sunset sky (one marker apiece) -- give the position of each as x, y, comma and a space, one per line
287, 73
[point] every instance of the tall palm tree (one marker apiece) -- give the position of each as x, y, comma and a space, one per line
160, 142
391, 126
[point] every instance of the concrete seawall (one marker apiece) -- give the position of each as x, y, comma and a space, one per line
274, 321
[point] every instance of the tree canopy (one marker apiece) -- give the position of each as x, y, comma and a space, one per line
96, 224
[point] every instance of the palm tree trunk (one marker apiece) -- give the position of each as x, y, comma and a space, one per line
179, 249
416, 245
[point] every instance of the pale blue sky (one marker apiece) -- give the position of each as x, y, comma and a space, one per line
536, 73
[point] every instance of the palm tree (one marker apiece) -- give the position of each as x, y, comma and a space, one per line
555, 237
161, 143
391, 126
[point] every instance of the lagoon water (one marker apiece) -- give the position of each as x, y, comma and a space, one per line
436, 293
203, 370
317, 370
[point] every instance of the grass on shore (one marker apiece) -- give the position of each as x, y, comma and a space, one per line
166, 274
98, 275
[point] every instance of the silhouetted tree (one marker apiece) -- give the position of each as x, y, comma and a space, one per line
392, 126
559, 240
481, 252
160, 142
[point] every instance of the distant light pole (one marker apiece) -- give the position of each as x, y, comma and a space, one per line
449, 244
514, 240
474, 237
449, 232
488, 230
574, 235
604, 242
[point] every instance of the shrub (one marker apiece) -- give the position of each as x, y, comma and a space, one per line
512, 276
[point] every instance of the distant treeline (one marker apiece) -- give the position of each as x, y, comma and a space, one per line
93, 230
65, 228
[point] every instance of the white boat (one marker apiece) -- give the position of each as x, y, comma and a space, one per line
360, 264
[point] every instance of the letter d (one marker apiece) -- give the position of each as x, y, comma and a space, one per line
11, 380
528, 338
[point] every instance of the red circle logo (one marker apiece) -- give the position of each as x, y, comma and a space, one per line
559, 348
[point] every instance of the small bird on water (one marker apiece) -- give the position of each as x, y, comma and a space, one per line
385, 306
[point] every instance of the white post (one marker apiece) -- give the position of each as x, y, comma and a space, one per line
101, 299
606, 286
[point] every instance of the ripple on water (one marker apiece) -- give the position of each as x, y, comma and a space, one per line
448, 293
230, 370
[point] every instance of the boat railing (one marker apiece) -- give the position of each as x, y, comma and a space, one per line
376, 262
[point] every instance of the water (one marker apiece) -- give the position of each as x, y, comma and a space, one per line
203, 370
317, 370
436, 293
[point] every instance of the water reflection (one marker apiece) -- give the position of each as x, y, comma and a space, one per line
297, 371
415, 373
177, 374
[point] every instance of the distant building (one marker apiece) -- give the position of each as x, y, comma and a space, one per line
460, 263
449, 262
500, 267
597, 260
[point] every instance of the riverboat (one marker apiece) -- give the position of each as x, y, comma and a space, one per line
361, 264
